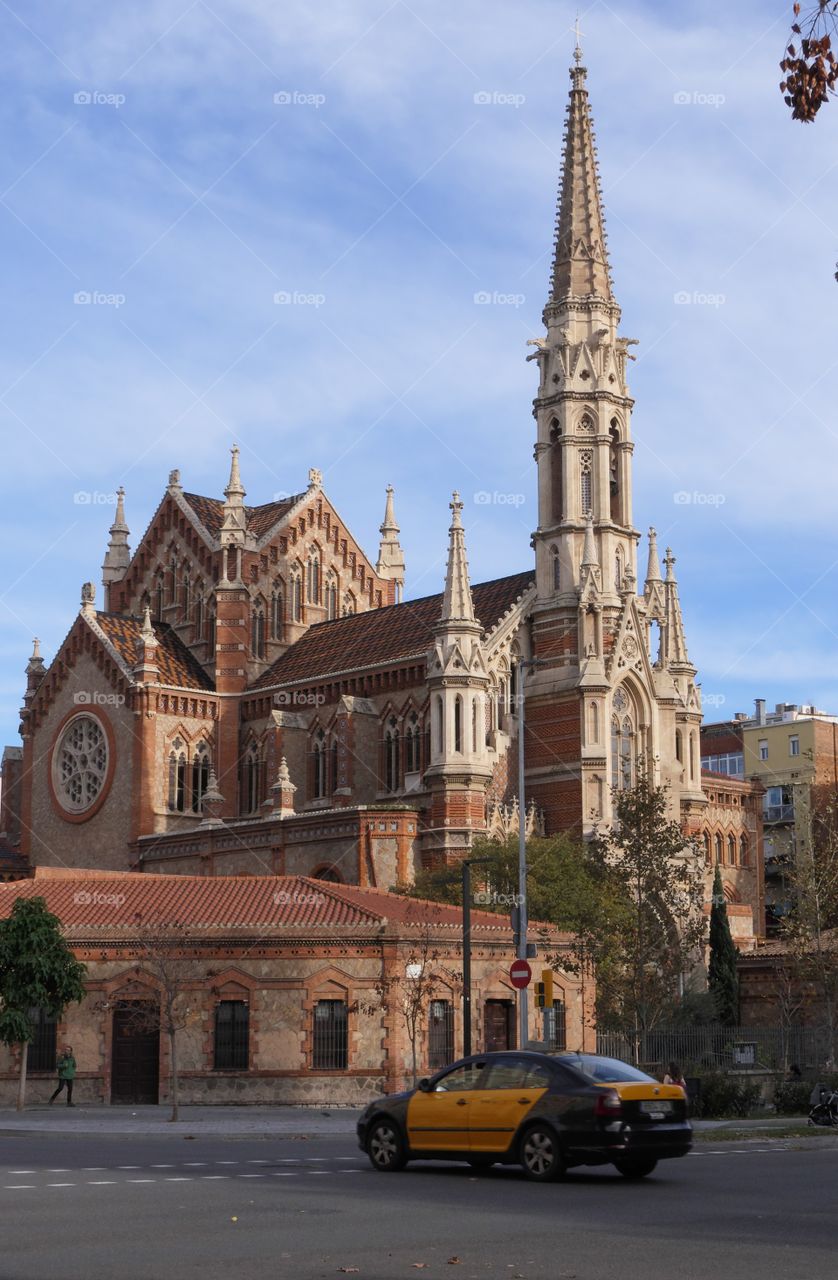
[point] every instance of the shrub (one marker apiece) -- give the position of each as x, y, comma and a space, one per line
791, 1097
725, 1095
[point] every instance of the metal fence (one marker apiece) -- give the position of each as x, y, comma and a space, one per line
719, 1048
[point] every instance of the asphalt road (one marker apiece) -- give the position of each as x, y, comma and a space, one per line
111, 1208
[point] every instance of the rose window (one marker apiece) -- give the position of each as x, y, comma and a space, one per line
80, 764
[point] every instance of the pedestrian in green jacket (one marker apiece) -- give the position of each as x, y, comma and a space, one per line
66, 1075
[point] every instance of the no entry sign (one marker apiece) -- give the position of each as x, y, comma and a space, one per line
520, 974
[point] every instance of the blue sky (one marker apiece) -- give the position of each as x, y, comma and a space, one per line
146, 162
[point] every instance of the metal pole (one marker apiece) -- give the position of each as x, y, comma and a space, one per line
466, 959
523, 1011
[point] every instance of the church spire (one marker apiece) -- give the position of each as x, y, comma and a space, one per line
390, 555
118, 554
674, 639
653, 568
234, 523
457, 604
580, 261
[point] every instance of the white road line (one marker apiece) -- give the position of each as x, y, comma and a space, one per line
20, 1186
94, 1168
161, 1166
174, 1179
213, 1177
58, 1170
140, 1179
194, 1164
346, 1157
311, 1159
61, 1184
313, 1173
16, 1172
129, 1166
258, 1162
283, 1175
288, 1161
102, 1183
250, 1175
226, 1161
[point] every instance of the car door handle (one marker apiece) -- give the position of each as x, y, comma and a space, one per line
461, 1102
525, 1102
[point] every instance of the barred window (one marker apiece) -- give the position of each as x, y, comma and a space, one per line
331, 1036
232, 1026
440, 1034
43, 1049
555, 1025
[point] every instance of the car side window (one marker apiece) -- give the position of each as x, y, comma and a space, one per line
538, 1076
508, 1073
464, 1077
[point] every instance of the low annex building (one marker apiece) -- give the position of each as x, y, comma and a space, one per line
291, 990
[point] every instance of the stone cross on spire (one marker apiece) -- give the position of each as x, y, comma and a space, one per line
457, 604
580, 262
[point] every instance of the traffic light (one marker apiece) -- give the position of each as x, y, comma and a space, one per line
544, 990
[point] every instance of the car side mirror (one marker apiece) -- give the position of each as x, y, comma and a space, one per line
424, 1086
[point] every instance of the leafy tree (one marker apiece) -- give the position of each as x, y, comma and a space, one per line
656, 875
723, 979
37, 971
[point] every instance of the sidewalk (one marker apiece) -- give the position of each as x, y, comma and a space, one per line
761, 1123
219, 1121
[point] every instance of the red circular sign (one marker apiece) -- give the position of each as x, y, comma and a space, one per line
520, 974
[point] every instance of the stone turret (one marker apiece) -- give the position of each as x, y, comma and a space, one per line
390, 554
118, 554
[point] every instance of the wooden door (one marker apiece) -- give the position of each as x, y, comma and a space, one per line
135, 1059
498, 1025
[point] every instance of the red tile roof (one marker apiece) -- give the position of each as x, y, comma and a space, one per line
114, 901
210, 512
385, 635
175, 662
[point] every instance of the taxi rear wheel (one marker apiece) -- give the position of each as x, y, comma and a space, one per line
635, 1168
385, 1147
541, 1155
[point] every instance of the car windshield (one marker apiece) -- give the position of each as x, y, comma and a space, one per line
605, 1070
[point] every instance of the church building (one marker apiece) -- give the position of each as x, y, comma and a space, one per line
251, 694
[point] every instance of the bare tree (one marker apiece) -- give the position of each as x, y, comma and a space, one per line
809, 65
163, 956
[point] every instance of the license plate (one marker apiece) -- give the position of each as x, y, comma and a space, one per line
656, 1110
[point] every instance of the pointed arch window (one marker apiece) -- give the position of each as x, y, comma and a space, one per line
412, 744
348, 605
186, 589
440, 725
458, 724
319, 758
158, 598
334, 757
719, 850
474, 705
173, 580
731, 851
252, 789
708, 851
314, 579
276, 613
618, 569
586, 462
557, 569
199, 612
257, 630
743, 851
614, 471
296, 598
391, 755
623, 742
331, 597
177, 776
211, 630
200, 776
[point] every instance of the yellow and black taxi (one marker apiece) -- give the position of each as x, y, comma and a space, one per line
544, 1111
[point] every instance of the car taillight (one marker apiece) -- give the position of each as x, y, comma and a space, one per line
608, 1105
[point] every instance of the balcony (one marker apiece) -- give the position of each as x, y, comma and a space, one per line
778, 813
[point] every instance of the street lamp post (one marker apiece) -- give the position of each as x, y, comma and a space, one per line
467, 864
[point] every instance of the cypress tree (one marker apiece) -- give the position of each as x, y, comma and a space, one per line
723, 979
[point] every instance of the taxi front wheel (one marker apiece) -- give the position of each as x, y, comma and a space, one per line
385, 1147
541, 1155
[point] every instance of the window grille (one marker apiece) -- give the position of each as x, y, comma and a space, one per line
43, 1051
555, 1026
232, 1025
331, 1035
440, 1034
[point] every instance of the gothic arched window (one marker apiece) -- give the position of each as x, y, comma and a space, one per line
440, 726
276, 613
557, 569
412, 744
458, 724
618, 569
177, 776
158, 597
719, 850
199, 612
731, 851
556, 469
211, 631
391, 755
314, 579
331, 596
296, 598
708, 852
623, 742
614, 471
200, 776
318, 754
257, 631
186, 589
586, 460
348, 608
252, 789
743, 851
